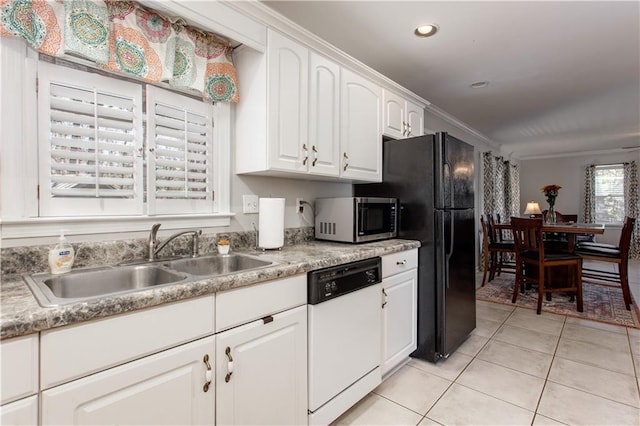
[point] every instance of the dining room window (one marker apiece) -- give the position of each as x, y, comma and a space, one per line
609, 193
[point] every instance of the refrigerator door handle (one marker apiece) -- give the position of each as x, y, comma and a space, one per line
451, 240
448, 197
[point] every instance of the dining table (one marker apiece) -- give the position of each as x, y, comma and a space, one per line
570, 229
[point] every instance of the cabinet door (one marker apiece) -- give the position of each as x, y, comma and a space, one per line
288, 83
415, 120
399, 320
261, 373
161, 389
21, 412
393, 109
324, 116
360, 135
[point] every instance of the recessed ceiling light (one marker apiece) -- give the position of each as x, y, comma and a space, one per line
479, 84
426, 30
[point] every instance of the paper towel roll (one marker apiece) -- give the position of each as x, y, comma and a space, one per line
271, 223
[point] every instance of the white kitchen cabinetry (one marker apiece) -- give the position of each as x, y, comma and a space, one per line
401, 118
169, 388
19, 383
303, 115
324, 116
360, 137
261, 368
399, 308
261, 374
144, 367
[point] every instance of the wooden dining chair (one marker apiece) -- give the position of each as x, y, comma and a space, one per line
493, 262
532, 262
610, 253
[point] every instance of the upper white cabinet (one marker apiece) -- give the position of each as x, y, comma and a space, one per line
301, 114
401, 118
360, 137
324, 116
287, 86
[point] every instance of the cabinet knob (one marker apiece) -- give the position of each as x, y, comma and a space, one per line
209, 374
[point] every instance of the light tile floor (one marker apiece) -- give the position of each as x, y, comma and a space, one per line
518, 368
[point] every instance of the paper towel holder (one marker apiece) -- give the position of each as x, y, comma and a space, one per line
256, 246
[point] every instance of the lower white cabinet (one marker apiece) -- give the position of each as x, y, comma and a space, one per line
21, 412
167, 388
399, 318
261, 373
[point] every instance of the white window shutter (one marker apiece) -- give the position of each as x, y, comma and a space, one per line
180, 161
90, 142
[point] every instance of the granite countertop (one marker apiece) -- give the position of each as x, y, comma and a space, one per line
20, 313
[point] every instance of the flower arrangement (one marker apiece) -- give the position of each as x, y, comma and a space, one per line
223, 245
551, 192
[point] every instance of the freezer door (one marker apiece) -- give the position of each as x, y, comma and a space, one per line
455, 278
454, 173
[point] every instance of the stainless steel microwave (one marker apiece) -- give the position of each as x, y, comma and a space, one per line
356, 219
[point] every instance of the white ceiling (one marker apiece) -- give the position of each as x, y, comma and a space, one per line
563, 76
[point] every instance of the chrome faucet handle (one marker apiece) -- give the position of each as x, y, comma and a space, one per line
153, 242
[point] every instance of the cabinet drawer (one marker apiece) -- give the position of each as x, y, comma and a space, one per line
242, 305
75, 351
399, 262
19, 367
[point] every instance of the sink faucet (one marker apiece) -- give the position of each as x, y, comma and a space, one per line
154, 249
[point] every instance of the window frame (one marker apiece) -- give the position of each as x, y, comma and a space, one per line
618, 166
19, 206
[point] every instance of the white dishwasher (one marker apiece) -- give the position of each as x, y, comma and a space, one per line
344, 337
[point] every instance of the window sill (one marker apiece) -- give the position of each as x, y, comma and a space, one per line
51, 226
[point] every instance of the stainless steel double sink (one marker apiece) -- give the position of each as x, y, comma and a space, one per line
91, 283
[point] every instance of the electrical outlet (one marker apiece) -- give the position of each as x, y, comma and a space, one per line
249, 204
299, 206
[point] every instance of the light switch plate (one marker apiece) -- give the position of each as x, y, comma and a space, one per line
249, 204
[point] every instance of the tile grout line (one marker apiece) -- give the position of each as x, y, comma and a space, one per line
546, 379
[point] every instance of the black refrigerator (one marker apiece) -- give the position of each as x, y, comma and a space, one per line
433, 177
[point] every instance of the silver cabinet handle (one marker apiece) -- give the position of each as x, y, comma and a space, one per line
229, 365
315, 156
404, 128
306, 154
385, 298
408, 129
209, 374
346, 161
401, 262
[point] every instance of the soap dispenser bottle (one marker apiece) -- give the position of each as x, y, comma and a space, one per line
61, 256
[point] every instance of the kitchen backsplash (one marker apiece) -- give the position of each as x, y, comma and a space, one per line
34, 259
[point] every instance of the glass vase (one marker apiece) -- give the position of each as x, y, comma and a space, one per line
551, 215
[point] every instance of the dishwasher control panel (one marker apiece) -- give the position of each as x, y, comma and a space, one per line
328, 283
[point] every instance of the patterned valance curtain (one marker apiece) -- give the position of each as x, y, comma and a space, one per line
501, 187
124, 37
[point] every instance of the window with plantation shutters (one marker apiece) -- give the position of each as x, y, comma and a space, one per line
180, 143
91, 161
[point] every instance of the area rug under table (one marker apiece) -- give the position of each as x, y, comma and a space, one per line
601, 303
